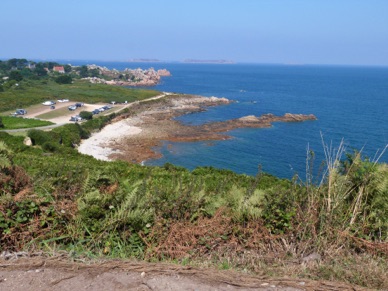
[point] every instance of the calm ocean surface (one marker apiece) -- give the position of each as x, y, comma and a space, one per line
351, 103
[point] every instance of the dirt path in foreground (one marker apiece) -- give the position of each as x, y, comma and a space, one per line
59, 273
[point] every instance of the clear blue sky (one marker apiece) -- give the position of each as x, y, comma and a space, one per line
353, 32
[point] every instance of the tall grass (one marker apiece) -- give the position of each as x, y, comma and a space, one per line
348, 207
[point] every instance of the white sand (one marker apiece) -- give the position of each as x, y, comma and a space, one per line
98, 144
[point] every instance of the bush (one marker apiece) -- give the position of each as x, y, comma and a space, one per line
50, 146
64, 79
38, 137
9, 84
86, 115
70, 134
1, 123
15, 75
98, 123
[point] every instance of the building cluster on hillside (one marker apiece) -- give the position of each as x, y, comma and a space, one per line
128, 77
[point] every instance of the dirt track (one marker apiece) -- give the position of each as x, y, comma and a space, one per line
59, 273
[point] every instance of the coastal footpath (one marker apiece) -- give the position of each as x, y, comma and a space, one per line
132, 136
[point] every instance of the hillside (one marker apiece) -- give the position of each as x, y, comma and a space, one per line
56, 200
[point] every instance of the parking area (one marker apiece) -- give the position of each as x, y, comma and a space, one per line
61, 113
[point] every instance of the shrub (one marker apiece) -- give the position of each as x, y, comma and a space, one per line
86, 115
38, 137
9, 84
70, 134
98, 123
15, 75
50, 146
64, 79
1, 123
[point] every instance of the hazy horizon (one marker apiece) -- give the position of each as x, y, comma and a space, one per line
299, 32
96, 61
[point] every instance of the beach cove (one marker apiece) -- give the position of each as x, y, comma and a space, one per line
133, 136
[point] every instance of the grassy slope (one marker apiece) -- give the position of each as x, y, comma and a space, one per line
34, 92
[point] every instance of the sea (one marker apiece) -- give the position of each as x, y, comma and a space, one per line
350, 102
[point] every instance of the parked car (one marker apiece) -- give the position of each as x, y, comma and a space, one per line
96, 111
79, 104
101, 109
52, 107
63, 100
20, 112
48, 103
75, 118
72, 107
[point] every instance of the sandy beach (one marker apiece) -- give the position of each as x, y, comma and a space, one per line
98, 145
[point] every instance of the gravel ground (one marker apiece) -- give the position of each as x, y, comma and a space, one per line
60, 273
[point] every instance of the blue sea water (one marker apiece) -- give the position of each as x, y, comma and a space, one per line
351, 103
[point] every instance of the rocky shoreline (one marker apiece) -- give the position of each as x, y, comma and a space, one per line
133, 136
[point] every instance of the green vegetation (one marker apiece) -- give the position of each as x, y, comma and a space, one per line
53, 113
11, 122
52, 197
33, 92
86, 115
64, 79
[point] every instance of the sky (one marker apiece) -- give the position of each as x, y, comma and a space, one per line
343, 32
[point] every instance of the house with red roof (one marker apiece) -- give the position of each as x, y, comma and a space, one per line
59, 69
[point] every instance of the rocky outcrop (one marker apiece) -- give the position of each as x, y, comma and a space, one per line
157, 122
164, 73
252, 121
